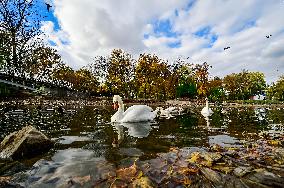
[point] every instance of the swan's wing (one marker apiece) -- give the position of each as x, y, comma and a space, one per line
138, 113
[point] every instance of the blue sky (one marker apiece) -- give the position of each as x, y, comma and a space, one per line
200, 30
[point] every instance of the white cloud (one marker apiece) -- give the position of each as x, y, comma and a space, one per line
96, 27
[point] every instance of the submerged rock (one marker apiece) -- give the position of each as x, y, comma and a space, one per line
212, 176
27, 142
8, 168
262, 178
242, 170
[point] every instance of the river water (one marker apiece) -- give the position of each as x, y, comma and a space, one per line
88, 144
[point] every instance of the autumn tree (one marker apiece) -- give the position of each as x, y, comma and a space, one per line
243, 85
99, 69
42, 62
276, 90
161, 74
20, 24
84, 81
63, 75
231, 86
120, 72
202, 76
146, 74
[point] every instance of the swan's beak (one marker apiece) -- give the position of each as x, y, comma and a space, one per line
115, 106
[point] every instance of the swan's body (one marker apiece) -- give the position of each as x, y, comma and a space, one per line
136, 113
206, 111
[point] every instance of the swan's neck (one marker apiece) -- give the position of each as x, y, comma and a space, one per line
207, 105
120, 106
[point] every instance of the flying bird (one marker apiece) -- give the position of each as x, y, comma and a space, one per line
48, 6
226, 48
268, 36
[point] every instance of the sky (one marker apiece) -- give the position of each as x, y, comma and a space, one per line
195, 29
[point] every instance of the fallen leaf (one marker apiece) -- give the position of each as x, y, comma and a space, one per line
144, 182
187, 171
127, 174
187, 181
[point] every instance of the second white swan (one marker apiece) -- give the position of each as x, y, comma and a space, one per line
206, 111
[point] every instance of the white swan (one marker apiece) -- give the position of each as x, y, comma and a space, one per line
206, 111
136, 113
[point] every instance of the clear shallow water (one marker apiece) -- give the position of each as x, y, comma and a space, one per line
87, 144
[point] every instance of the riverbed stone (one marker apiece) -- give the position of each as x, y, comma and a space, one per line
27, 142
264, 178
8, 168
279, 156
242, 170
212, 176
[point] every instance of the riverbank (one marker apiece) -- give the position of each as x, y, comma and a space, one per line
98, 101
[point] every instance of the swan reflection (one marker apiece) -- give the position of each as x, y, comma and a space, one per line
139, 129
120, 135
136, 130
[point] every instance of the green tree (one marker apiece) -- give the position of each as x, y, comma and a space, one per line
187, 86
245, 84
216, 90
276, 90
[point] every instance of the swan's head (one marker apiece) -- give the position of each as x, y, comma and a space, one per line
117, 101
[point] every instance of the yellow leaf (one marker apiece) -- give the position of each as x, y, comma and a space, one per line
194, 157
187, 181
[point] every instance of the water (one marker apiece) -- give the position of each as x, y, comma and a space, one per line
87, 144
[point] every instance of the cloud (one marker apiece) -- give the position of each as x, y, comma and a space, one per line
190, 28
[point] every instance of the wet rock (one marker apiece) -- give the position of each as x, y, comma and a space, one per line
8, 168
25, 143
212, 176
242, 170
6, 182
279, 156
232, 181
263, 178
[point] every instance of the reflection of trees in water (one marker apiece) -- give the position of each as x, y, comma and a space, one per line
275, 116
